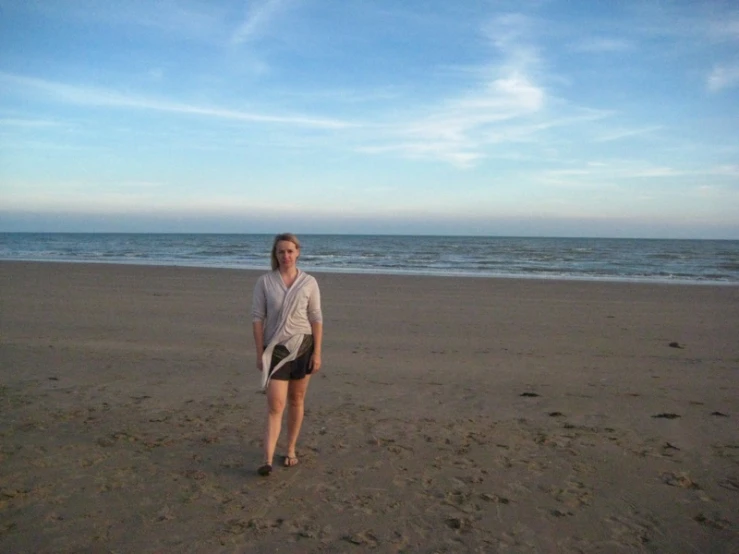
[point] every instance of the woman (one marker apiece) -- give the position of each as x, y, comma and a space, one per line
288, 335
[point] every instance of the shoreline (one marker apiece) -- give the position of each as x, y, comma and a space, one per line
402, 273
452, 414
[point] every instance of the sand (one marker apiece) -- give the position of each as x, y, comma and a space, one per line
451, 415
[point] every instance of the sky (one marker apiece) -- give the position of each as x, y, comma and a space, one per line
525, 118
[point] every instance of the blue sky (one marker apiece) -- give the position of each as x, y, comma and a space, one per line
555, 118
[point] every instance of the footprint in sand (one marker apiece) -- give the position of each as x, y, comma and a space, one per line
574, 495
362, 538
681, 480
666, 415
459, 523
730, 483
495, 498
714, 522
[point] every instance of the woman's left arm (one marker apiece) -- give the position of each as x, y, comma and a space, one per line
315, 361
315, 316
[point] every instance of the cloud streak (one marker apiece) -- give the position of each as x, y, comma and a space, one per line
620, 134
92, 97
603, 45
458, 130
726, 29
24, 122
258, 19
723, 77
598, 175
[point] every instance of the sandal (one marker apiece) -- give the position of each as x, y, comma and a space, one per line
265, 470
291, 461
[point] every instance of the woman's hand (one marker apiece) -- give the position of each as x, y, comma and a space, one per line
259, 363
315, 362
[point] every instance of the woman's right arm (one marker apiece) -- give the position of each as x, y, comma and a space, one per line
258, 329
259, 314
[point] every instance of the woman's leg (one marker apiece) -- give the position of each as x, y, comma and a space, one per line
276, 398
296, 409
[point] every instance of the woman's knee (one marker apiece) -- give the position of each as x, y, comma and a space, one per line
296, 397
276, 406
276, 398
297, 400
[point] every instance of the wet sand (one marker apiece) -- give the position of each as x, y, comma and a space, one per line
452, 414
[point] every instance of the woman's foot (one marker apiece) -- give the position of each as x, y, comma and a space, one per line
265, 469
291, 461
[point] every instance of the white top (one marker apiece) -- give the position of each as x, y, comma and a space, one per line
287, 314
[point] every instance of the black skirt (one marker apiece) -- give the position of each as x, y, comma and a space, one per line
297, 368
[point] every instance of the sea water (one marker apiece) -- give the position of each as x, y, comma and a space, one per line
649, 260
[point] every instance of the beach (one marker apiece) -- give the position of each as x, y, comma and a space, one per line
451, 415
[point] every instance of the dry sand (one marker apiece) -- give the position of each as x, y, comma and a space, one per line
452, 415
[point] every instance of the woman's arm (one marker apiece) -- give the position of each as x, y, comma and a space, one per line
317, 329
258, 330
258, 316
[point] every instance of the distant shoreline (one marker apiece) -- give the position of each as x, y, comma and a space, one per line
570, 259
387, 235
359, 273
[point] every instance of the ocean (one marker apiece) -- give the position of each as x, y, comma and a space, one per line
598, 259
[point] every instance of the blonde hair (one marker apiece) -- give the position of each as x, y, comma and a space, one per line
289, 237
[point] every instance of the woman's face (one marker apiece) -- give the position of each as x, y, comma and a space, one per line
287, 254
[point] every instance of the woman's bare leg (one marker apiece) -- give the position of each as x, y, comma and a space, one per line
296, 409
276, 400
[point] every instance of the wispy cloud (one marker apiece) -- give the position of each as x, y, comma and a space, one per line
619, 134
603, 44
425, 150
91, 96
655, 172
726, 170
24, 122
725, 28
597, 175
457, 130
258, 18
511, 35
200, 21
143, 185
723, 77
